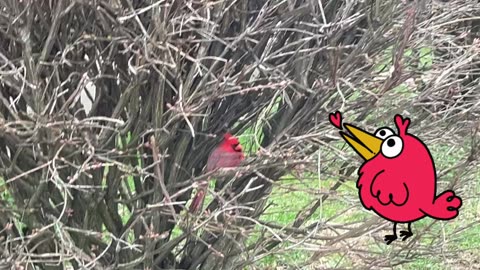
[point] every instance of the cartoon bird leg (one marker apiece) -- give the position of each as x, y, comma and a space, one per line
392, 237
407, 234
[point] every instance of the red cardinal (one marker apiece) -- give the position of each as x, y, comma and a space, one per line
398, 179
228, 154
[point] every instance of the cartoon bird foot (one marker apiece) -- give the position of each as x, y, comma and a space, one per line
405, 235
390, 238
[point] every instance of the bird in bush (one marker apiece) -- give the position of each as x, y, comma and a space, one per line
227, 154
398, 179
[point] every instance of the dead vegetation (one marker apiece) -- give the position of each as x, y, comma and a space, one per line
104, 186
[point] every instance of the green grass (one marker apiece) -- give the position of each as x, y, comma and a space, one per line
424, 263
287, 203
422, 58
5, 194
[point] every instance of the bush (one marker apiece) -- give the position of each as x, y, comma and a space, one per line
109, 110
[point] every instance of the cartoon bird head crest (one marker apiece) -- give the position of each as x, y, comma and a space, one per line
402, 124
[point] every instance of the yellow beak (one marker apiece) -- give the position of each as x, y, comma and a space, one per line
364, 143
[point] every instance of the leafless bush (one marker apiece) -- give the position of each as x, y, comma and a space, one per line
109, 109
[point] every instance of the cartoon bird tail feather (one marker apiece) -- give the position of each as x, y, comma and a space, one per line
445, 206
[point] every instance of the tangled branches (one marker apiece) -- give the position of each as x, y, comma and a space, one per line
109, 109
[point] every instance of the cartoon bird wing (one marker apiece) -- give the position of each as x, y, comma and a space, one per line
388, 190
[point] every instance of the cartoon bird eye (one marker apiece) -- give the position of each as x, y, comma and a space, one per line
392, 146
383, 133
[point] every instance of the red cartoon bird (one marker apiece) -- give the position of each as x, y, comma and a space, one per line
398, 179
228, 154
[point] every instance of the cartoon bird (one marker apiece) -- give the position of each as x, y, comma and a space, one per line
398, 179
228, 154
